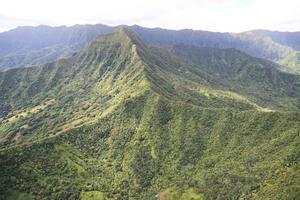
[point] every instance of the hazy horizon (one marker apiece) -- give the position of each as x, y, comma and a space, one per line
56, 26
209, 15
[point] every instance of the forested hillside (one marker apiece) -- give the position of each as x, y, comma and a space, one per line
124, 120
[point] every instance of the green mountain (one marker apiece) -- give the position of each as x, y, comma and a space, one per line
26, 46
279, 47
123, 120
282, 47
291, 39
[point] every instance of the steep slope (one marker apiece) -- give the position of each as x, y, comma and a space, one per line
210, 77
235, 71
51, 98
121, 120
283, 46
250, 42
253, 43
291, 39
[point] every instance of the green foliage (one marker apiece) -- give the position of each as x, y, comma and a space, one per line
170, 194
14, 195
120, 120
93, 195
219, 153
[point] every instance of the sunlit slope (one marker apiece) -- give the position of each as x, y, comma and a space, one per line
152, 146
82, 89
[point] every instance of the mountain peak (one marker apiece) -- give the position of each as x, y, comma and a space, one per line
125, 31
122, 29
122, 36
122, 41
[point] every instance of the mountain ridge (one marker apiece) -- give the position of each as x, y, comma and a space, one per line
257, 44
119, 66
124, 120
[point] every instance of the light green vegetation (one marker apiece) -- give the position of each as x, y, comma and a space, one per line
92, 195
169, 194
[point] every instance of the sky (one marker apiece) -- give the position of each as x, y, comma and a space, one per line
212, 15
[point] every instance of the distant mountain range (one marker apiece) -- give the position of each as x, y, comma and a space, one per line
25, 46
137, 113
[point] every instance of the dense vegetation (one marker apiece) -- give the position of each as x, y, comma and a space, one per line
121, 120
150, 145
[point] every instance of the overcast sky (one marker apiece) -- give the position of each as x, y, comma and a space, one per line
213, 15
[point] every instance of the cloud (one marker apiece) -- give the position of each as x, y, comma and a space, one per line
214, 15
